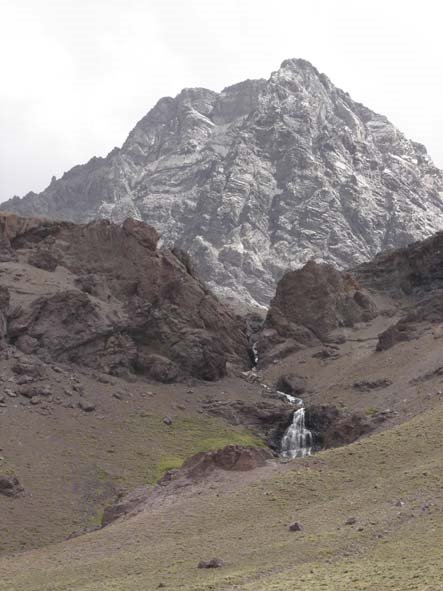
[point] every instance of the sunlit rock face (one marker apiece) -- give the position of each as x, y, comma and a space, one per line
259, 178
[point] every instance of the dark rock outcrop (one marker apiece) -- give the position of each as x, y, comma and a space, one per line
331, 427
426, 311
43, 259
259, 178
296, 526
316, 304
201, 354
319, 299
157, 367
309, 304
10, 486
231, 457
126, 306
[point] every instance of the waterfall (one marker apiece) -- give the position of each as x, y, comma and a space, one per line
255, 353
291, 399
297, 441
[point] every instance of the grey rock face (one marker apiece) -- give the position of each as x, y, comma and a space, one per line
259, 178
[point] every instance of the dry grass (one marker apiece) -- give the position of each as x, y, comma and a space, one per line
245, 523
72, 465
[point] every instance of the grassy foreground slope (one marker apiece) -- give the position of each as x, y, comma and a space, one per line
243, 520
72, 464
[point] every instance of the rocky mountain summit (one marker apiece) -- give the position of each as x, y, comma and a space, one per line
259, 178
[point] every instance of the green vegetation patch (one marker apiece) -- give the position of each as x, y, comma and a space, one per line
188, 436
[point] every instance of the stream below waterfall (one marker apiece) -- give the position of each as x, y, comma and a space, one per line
297, 440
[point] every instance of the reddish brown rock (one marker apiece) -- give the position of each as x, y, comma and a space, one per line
309, 304
231, 457
129, 305
317, 298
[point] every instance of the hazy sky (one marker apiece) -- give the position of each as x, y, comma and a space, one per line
76, 75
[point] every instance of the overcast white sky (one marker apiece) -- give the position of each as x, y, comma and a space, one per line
76, 75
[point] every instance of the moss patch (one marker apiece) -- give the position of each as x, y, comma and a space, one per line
188, 436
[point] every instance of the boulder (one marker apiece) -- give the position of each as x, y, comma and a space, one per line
26, 344
7, 253
86, 405
43, 259
157, 368
10, 486
291, 384
399, 333
30, 391
24, 368
213, 563
296, 526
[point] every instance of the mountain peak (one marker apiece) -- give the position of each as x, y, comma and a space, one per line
297, 64
259, 178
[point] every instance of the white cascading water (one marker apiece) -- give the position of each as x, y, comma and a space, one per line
255, 353
297, 441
